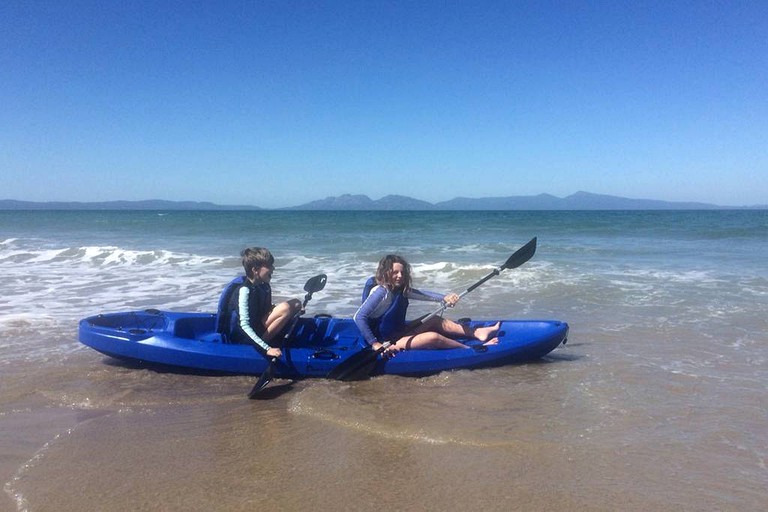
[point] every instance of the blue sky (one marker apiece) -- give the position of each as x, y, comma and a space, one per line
277, 103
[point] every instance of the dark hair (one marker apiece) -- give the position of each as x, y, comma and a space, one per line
254, 257
383, 272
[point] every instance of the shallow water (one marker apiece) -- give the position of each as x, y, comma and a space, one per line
655, 403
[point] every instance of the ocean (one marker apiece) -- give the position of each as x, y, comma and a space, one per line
657, 401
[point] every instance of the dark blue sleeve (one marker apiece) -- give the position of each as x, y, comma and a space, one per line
363, 315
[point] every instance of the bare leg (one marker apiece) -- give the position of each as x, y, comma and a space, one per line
444, 326
452, 329
279, 317
427, 340
438, 333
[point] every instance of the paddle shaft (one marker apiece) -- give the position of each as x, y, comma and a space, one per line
444, 306
518, 258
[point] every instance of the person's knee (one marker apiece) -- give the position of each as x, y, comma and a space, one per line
294, 305
430, 338
287, 307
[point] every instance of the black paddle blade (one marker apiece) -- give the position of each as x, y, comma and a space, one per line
266, 376
356, 367
521, 255
315, 284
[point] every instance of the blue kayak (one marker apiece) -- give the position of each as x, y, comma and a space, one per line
317, 345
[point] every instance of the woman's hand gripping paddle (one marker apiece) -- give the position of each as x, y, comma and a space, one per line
359, 366
313, 285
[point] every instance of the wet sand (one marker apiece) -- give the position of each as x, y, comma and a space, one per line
250, 456
568, 433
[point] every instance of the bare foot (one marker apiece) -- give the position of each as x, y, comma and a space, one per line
485, 333
492, 341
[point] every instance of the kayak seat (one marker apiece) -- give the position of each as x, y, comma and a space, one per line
367, 287
310, 333
192, 328
343, 334
226, 318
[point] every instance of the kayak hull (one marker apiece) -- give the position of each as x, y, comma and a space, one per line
189, 341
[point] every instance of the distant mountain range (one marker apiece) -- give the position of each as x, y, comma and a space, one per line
577, 201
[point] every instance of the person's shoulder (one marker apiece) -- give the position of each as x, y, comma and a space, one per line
379, 290
246, 286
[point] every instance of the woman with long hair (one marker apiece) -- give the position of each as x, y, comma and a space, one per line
381, 317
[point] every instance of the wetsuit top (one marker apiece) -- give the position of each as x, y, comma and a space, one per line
382, 313
246, 309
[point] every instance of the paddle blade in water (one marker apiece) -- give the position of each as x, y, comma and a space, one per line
356, 367
266, 376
